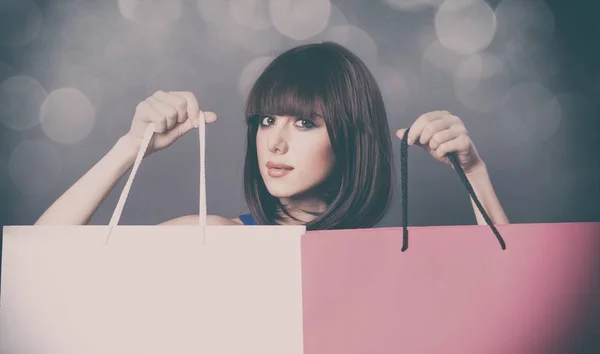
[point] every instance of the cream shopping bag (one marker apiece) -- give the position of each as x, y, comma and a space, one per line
151, 289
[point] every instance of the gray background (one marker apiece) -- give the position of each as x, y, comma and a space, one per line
72, 72
533, 115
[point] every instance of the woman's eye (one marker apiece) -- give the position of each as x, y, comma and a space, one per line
304, 123
267, 120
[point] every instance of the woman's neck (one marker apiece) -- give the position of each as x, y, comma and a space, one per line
302, 209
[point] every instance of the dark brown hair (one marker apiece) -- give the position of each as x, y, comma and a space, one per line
327, 79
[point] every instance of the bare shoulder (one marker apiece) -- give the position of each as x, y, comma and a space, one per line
194, 219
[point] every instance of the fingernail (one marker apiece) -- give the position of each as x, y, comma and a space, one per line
409, 141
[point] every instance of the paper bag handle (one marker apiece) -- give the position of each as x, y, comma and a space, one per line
404, 180
114, 221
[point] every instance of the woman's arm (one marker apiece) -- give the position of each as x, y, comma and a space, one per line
441, 133
482, 185
173, 114
77, 205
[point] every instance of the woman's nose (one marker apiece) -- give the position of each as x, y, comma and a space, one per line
278, 140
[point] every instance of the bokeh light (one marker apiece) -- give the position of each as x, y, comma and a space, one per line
465, 26
300, 19
20, 100
67, 116
156, 14
253, 14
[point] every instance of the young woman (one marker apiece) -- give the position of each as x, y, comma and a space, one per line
318, 147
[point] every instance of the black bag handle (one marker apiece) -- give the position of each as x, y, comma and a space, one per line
404, 180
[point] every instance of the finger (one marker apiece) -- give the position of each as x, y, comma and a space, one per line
432, 128
175, 101
210, 117
417, 127
141, 111
150, 114
459, 144
400, 133
169, 113
192, 106
441, 137
180, 129
188, 125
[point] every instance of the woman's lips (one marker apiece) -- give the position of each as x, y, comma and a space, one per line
277, 170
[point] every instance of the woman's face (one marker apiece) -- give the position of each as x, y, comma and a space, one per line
294, 155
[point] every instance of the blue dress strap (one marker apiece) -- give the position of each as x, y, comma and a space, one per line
248, 219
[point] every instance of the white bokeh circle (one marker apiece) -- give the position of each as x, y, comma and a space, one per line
465, 26
300, 19
67, 116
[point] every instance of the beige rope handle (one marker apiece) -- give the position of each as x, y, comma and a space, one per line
114, 221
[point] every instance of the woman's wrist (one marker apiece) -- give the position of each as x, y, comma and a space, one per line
478, 172
128, 146
484, 190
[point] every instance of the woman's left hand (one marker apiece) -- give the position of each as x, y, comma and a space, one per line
440, 133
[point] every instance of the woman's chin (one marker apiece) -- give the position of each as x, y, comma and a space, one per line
280, 192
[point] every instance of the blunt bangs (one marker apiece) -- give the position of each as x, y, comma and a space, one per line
295, 84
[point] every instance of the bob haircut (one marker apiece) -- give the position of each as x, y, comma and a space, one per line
329, 80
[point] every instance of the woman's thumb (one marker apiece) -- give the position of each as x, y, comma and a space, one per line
400, 133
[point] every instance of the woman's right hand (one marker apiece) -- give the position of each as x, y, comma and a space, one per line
173, 113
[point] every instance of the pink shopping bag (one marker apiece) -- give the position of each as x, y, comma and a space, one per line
452, 291
510, 289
